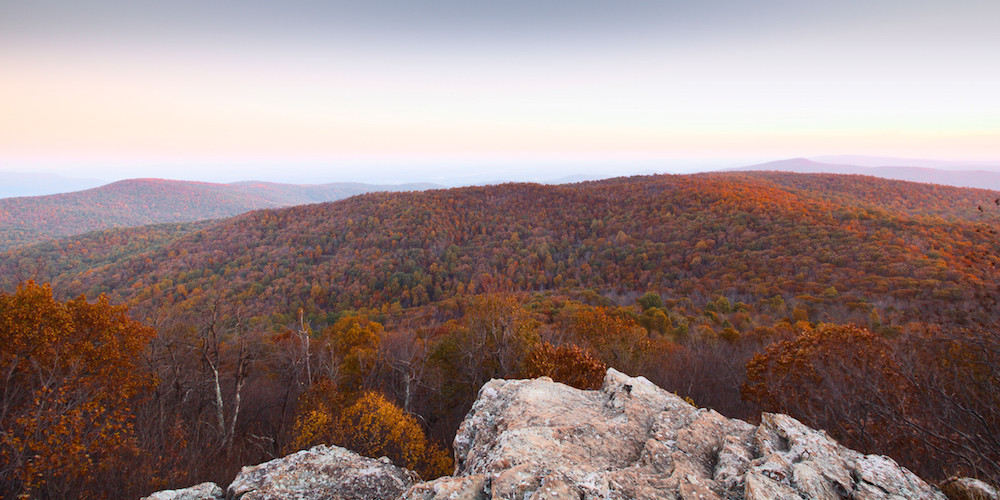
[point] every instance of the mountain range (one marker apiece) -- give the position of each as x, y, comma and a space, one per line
25, 220
138, 202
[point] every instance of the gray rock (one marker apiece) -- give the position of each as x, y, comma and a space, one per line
323, 472
475, 487
203, 491
631, 439
967, 488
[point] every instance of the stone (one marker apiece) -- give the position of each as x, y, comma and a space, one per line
203, 491
631, 439
967, 488
322, 472
475, 487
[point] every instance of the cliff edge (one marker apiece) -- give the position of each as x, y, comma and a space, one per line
538, 439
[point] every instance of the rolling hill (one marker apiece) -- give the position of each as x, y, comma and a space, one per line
836, 247
139, 202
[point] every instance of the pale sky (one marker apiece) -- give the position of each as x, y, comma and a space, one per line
381, 90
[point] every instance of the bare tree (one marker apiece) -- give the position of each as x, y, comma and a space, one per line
405, 353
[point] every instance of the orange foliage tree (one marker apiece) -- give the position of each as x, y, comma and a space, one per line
372, 426
614, 335
339, 409
354, 343
70, 373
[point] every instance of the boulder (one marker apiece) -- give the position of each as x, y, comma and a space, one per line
967, 488
203, 491
474, 487
323, 472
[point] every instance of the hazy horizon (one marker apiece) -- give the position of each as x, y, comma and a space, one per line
448, 175
306, 91
448, 172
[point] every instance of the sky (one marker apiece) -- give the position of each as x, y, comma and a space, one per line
438, 90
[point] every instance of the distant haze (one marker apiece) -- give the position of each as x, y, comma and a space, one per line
875, 161
35, 184
401, 91
948, 173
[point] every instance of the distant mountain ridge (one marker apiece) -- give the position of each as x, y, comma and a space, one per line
984, 179
884, 161
137, 202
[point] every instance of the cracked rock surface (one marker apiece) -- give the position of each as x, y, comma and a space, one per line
538, 439
203, 491
328, 472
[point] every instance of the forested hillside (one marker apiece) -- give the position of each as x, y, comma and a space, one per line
90, 252
862, 306
138, 202
892, 197
834, 248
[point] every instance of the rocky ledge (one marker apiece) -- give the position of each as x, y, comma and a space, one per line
537, 439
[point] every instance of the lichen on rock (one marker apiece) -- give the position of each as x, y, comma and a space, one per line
322, 472
632, 439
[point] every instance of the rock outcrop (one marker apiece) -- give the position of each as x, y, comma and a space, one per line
537, 439
322, 472
203, 491
631, 439
967, 488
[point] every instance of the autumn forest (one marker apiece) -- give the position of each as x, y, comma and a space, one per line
149, 357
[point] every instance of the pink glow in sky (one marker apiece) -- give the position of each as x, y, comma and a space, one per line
206, 88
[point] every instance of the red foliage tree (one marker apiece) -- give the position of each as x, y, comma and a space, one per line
568, 364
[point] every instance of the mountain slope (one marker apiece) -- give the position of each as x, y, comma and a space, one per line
878, 193
741, 236
147, 201
91, 252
